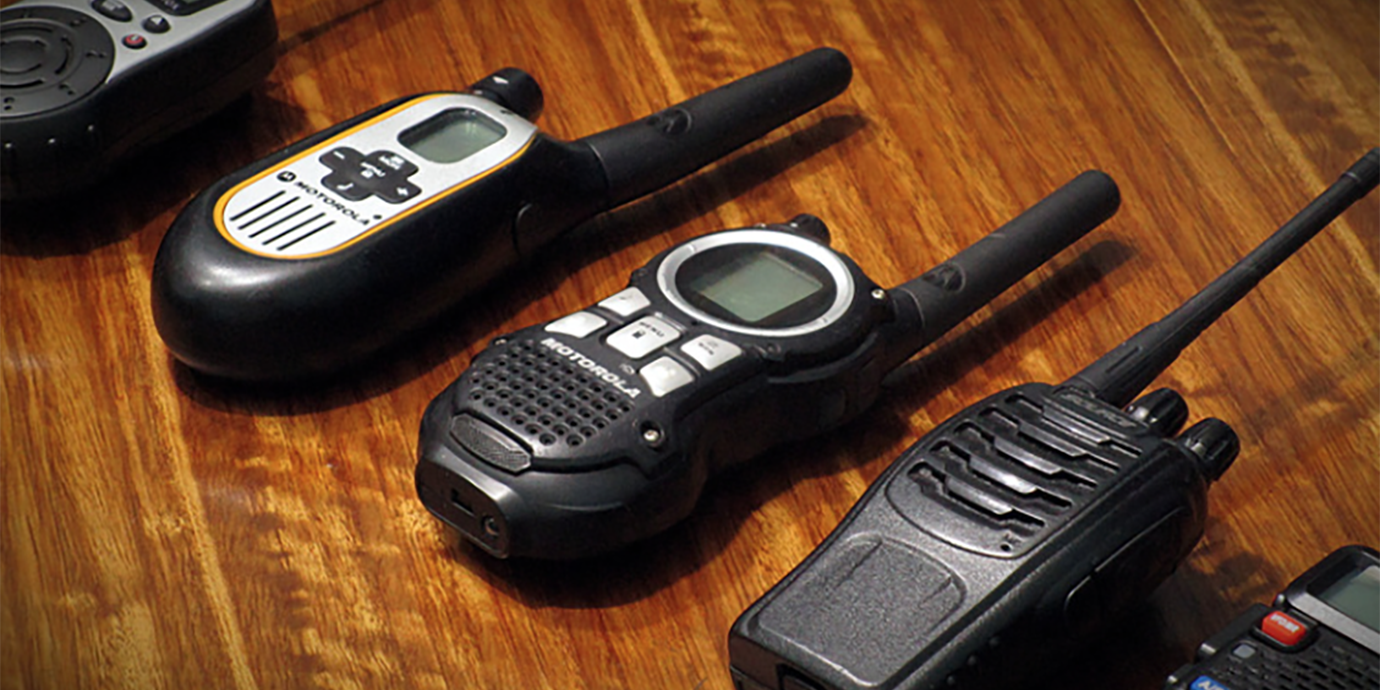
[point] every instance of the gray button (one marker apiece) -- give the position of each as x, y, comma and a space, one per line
640, 337
664, 375
711, 352
579, 324
626, 303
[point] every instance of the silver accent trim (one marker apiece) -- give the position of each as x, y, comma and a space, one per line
301, 180
843, 280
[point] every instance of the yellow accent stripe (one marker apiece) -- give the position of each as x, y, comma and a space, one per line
224, 200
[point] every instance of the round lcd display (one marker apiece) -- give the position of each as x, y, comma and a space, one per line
758, 282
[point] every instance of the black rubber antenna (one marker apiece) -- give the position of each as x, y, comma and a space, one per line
932, 304
645, 155
1118, 376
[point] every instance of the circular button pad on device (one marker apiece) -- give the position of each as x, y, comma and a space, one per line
49, 57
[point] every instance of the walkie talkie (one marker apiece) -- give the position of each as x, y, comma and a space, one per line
1322, 633
575, 437
320, 255
997, 544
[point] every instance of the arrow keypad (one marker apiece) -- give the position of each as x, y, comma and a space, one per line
356, 177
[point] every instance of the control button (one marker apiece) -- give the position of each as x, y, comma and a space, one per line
114, 9
711, 352
1206, 683
345, 187
393, 162
134, 41
1243, 651
664, 375
157, 24
396, 194
1283, 628
626, 303
382, 172
640, 337
23, 55
579, 324
341, 158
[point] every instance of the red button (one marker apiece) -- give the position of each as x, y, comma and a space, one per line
134, 41
1283, 628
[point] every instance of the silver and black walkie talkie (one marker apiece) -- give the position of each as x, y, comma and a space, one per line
575, 437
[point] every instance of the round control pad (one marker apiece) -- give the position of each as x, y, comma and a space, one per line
49, 57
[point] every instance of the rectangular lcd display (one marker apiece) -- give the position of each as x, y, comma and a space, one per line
452, 135
1358, 596
756, 285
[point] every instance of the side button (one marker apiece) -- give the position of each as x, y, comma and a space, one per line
489, 444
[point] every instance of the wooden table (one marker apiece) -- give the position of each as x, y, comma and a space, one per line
163, 529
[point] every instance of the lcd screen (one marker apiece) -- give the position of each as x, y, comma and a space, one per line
1358, 596
451, 136
753, 286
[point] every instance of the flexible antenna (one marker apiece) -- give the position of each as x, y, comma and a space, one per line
950, 292
1118, 376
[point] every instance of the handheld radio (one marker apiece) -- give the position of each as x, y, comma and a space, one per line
84, 83
322, 254
998, 543
1323, 633
577, 436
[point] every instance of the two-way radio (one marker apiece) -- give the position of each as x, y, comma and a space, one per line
1322, 633
322, 254
577, 436
85, 83
997, 544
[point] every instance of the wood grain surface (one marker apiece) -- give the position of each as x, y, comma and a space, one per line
166, 530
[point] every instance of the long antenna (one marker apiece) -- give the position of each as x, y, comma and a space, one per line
950, 292
1118, 376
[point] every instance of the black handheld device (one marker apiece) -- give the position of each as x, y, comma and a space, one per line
574, 437
320, 255
1323, 633
998, 543
85, 83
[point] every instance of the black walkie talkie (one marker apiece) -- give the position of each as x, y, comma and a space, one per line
574, 437
322, 254
998, 543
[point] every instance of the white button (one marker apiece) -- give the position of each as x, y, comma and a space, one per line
640, 337
664, 375
711, 352
579, 324
626, 303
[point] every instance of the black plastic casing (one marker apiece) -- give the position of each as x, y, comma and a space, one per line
231, 313
1337, 653
592, 481
61, 151
234, 314
985, 555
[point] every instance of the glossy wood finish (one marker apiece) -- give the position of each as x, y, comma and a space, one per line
165, 530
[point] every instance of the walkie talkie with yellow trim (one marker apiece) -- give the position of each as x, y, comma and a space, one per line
315, 258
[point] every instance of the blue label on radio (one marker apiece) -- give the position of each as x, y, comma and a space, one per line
1206, 683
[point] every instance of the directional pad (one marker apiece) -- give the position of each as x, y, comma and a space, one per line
355, 176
